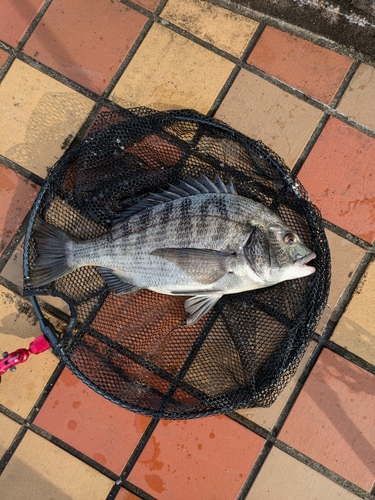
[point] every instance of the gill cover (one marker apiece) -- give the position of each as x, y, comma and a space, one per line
257, 251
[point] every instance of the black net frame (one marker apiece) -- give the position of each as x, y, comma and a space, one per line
136, 350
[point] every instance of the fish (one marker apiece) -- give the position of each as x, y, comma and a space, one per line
198, 239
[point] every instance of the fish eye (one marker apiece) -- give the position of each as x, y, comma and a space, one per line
290, 239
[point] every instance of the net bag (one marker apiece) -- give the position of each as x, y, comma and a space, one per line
136, 349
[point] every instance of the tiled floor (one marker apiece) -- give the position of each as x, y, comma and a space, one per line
61, 61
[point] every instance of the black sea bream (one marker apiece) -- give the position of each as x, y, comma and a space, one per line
199, 239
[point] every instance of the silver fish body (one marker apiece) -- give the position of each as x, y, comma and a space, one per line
199, 239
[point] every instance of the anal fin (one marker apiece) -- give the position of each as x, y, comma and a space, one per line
116, 283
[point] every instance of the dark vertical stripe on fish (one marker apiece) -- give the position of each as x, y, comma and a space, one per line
185, 216
222, 208
165, 215
205, 210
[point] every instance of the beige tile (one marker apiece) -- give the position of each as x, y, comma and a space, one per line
206, 21
39, 117
359, 96
356, 329
282, 477
345, 257
9, 429
266, 417
264, 112
39, 469
18, 327
13, 272
170, 71
13, 269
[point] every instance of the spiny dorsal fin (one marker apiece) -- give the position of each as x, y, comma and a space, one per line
190, 187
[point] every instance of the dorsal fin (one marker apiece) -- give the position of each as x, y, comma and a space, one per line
190, 187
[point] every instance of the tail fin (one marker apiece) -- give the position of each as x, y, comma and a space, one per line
51, 247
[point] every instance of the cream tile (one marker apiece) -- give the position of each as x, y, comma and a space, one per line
9, 429
206, 21
39, 117
345, 257
282, 477
266, 417
170, 71
264, 112
39, 469
18, 327
356, 329
359, 96
13, 272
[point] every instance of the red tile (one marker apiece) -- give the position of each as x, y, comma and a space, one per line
147, 4
206, 458
79, 416
3, 57
339, 176
17, 195
333, 419
84, 40
312, 69
15, 18
126, 495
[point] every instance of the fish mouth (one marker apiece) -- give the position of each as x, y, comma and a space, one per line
304, 260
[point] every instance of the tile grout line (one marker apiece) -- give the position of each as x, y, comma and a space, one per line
128, 58
25, 422
139, 448
292, 29
356, 240
309, 145
9, 250
345, 83
13, 51
324, 471
73, 451
12, 448
27, 174
130, 487
256, 468
237, 68
132, 460
350, 356
34, 23
159, 7
12, 415
248, 424
346, 296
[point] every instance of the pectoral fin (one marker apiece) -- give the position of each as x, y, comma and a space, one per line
116, 283
199, 305
202, 265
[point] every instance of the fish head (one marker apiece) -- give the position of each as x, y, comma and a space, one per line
276, 253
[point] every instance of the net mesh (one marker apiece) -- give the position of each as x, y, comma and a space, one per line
136, 349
